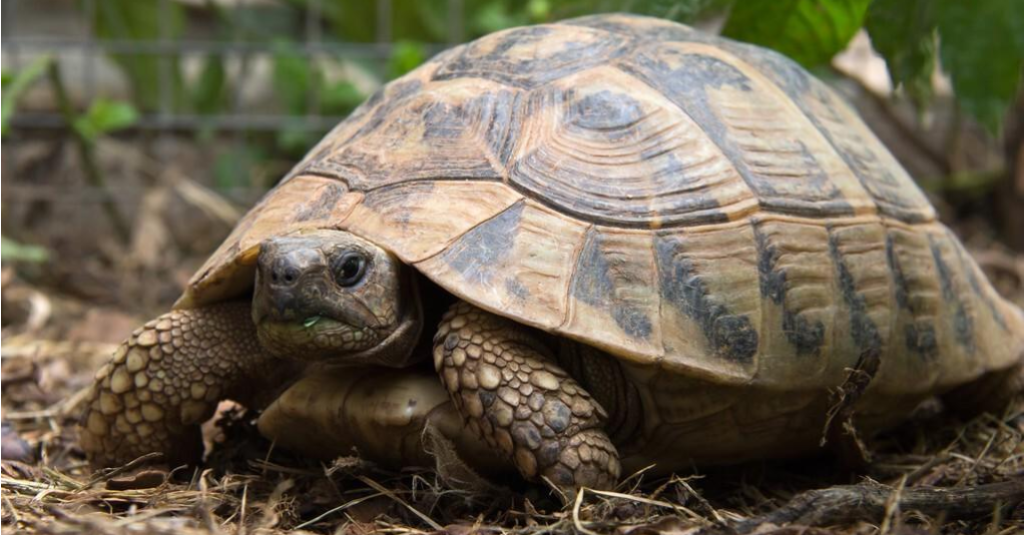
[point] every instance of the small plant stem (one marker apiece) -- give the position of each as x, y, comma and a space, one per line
87, 151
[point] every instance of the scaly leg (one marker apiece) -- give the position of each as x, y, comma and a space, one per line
507, 386
167, 378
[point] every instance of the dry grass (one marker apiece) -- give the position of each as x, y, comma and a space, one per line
248, 488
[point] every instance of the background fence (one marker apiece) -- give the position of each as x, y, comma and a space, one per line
237, 69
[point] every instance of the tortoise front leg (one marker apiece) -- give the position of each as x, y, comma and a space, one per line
167, 378
510, 391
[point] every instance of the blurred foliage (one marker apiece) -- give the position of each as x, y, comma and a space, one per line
105, 116
302, 88
902, 31
235, 167
12, 251
979, 43
809, 31
15, 85
982, 47
210, 93
405, 56
146, 21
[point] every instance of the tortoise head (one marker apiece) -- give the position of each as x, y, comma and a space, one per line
330, 295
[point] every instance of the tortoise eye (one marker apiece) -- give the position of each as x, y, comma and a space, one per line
349, 268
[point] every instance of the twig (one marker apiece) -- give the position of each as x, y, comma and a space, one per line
576, 522
657, 503
924, 469
114, 472
341, 507
87, 152
390, 494
892, 508
869, 502
700, 499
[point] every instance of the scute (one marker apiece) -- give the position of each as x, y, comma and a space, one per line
531, 56
605, 147
671, 197
891, 188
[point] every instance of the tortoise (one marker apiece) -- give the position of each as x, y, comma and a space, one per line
620, 241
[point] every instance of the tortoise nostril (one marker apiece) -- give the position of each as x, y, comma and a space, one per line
284, 273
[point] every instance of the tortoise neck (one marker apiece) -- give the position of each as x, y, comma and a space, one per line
602, 376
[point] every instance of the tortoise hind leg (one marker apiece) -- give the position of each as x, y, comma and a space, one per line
167, 378
991, 392
507, 386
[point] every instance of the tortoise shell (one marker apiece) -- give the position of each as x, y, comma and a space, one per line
669, 196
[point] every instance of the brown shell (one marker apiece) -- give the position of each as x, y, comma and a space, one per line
669, 196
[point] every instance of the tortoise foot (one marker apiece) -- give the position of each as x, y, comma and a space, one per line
508, 388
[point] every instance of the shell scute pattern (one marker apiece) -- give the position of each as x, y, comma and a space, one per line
604, 147
531, 56
797, 289
664, 195
891, 188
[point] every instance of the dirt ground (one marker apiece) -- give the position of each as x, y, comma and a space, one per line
52, 343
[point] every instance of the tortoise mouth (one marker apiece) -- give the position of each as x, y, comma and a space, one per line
314, 337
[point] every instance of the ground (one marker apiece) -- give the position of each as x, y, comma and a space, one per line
53, 343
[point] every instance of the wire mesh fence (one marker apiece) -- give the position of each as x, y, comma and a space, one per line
307, 41
251, 81
151, 125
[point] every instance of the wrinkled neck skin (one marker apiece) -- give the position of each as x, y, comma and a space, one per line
396, 350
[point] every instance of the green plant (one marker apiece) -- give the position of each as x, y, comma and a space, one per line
103, 117
15, 85
149, 21
809, 31
979, 43
12, 251
298, 83
405, 56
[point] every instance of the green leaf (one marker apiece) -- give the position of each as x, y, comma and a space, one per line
105, 116
210, 92
494, 16
15, 85
982, 49
237, 167
294, 141
677, 10
295, 78
903, 32
12, 251
809, 31
405, 56
415, 20
340, 98
145, 21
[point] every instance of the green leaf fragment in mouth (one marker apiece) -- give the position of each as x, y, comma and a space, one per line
310, 321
